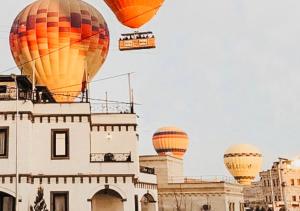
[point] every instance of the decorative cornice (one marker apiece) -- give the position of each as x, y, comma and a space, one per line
66, 179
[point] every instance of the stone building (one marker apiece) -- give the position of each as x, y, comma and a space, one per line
176, 192
253, 195
75, 159
281, 185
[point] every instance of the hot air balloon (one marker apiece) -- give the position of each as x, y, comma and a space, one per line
134, 14
60, 44
244, 162
170, 141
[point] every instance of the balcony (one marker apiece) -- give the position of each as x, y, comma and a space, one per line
110, 158
147, 170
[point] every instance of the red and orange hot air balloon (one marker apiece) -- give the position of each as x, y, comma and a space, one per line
61, 44
134, 14
170, 141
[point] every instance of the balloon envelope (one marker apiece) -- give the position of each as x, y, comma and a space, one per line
244, 162
61, 42
170, 141
134, 13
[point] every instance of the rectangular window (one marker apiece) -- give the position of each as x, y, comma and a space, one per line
231, 206
298, 181
3, 142
242, 207
136, 202
294, 198
59, 201
292, 182
60, 144
7, 203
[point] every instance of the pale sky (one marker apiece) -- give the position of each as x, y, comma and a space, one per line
224, 71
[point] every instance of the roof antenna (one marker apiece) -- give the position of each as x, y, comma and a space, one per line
130, 94
132, 102
106, 102
87, 82
33, 79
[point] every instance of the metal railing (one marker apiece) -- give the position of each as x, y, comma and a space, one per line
202, 179
147, 170
111, 108
10, 93
110, 157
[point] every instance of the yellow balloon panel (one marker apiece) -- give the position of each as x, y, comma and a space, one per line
134, 13
62, 42
170, 140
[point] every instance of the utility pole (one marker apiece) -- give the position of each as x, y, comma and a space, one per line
129, 89
106, 102
33, 80
16, 140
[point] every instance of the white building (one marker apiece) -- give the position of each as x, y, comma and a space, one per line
177, 192
84, 161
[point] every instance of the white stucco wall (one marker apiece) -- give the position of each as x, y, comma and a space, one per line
34, 153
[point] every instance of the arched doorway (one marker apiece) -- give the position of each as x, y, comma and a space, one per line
7, 202
107, 200
148, 203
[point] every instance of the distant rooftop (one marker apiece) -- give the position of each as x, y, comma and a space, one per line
8, 89
42, 94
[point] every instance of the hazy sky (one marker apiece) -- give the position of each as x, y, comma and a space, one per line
225, 71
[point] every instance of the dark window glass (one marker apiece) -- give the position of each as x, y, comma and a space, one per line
59, 201
292, 182
3, 142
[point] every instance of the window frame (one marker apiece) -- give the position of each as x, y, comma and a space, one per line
6, 144
292, 182
53, 144
59, 193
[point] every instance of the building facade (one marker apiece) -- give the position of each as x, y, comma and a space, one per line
253, 195
178, 193
281, 186
67, 156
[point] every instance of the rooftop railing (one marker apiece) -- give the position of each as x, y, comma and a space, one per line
202, 179
125, 108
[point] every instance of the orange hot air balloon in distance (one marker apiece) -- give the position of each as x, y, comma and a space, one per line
61, 44
134, 14
170, 141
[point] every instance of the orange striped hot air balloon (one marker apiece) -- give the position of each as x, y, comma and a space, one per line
134, 13
170, 141
60, 43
